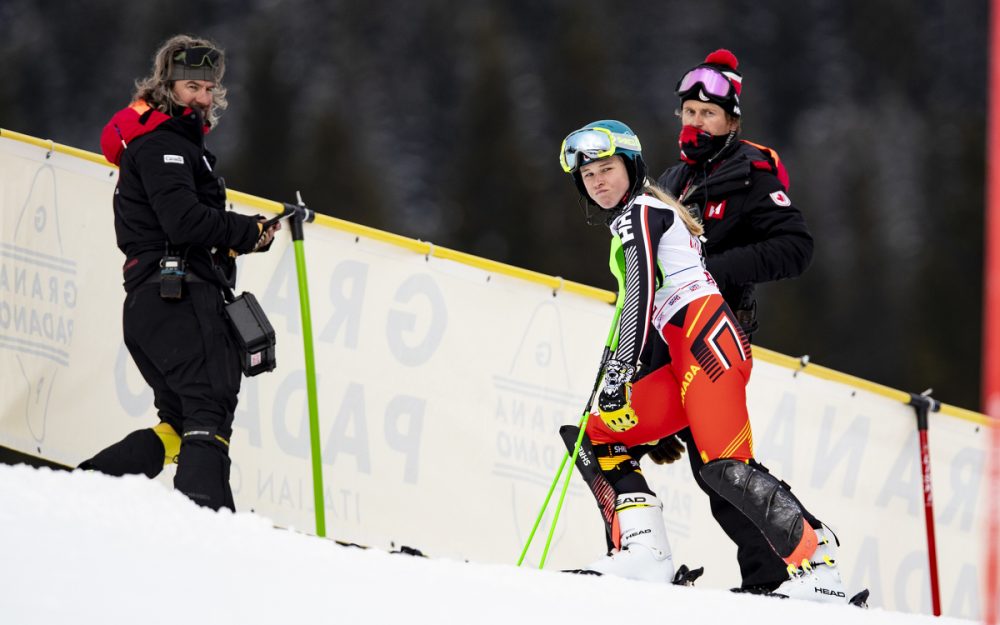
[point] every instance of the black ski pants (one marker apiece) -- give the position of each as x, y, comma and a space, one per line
185, 352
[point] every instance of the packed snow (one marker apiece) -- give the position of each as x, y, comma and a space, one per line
85, 548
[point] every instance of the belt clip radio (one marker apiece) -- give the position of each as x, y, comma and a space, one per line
172, 272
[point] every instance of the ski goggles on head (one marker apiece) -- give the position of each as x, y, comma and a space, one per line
196, 63
594, 144
712, 82
197, 56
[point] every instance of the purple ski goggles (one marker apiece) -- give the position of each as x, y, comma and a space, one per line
711, 80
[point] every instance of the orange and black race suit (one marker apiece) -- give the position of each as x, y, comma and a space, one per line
704, 386
666, 291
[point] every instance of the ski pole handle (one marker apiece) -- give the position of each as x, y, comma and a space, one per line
308, 215
285, 214
299, 209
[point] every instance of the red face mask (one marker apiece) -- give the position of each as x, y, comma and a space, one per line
698, 146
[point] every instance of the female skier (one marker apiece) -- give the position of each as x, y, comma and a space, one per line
666, 294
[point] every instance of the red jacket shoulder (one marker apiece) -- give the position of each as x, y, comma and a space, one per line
132, 121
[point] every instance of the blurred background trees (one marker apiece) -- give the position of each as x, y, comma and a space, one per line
441, 120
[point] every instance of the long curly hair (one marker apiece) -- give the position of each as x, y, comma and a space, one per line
157, 89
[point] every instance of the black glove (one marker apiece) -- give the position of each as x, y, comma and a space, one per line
266, 236
615, 400
668, 449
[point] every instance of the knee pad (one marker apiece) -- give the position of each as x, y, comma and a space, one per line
814, 522
765, 501
607, 469
586, 463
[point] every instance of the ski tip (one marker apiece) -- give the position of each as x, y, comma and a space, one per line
687, 577
581, 572
409, 551
861, 599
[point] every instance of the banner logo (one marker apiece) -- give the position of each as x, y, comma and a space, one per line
38, 296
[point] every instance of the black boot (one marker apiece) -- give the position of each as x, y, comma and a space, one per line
141, 452
203, 474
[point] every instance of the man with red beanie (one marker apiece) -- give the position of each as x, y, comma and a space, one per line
753, 234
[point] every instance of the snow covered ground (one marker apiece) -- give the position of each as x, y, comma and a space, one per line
83, 548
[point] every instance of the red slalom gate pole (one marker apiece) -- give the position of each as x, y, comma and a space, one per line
990, 598
923, 404
991, 321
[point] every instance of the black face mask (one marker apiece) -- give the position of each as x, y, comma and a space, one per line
698, 146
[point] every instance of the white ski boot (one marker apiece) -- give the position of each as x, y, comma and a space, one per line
645, 551
818, 578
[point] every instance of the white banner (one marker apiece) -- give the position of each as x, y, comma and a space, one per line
442, 384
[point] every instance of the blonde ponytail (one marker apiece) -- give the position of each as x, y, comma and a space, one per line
693, 225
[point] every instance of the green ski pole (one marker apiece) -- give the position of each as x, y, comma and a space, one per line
300, 215
562, 466
576, 451
608, 349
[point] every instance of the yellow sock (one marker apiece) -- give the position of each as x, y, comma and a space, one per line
171, 442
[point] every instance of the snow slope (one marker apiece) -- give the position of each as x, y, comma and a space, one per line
83, 548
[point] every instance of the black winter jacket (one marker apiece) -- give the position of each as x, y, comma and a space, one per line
754, 234
167, 195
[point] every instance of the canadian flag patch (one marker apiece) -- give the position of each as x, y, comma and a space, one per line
781, 198
715, 210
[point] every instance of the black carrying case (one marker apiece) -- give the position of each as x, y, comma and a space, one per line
253, 333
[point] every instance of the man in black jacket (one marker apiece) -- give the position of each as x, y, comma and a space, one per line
753, 234
180, 245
